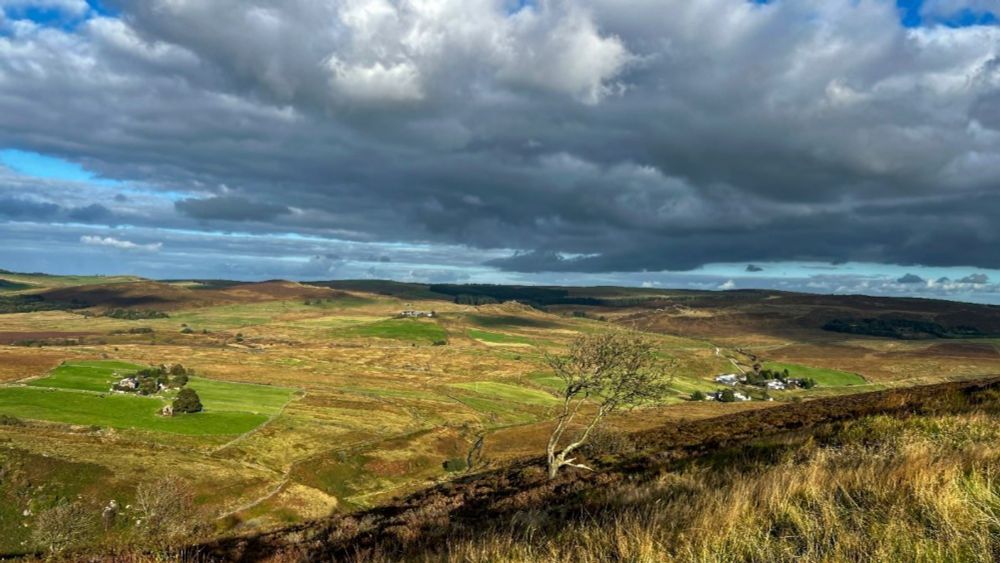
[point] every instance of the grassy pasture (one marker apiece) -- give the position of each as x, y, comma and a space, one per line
417, 330
240, 397
76, 393
823, 376
84, 375
118, 411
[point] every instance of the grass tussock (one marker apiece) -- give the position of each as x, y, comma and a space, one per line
877, 489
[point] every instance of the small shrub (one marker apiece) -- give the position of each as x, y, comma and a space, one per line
63, 526
187, 330
698, 396
165, 509
7, 420
727, 396
533, 474
607, 442
440, 342
454, 464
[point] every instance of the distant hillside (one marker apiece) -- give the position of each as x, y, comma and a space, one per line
7, 285
149, 295
783, 313
533, 295
711, 313
164, 296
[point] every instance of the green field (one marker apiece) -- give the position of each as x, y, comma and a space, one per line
240, 397
118, 411
85, 376
77, 393
823, 376
400, 329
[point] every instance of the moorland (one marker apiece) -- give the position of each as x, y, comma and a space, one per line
322, 400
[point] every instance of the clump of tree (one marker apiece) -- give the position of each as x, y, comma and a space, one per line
760, 377
187, 401
904, 329
150, 380
179, 375
608, 371
134, 314
33, 303
466, 299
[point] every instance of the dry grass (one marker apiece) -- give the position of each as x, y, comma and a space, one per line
880, 489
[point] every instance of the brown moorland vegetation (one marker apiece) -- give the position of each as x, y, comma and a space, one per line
718, 480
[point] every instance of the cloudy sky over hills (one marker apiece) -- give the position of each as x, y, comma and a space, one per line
818, 145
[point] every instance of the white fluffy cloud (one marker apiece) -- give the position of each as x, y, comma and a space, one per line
119, 243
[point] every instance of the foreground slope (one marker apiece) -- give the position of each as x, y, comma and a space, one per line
891, 475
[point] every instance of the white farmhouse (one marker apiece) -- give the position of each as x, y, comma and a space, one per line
728, 379
128, 383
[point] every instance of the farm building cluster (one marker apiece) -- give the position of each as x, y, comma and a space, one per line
152, 380
410, 314
765, 379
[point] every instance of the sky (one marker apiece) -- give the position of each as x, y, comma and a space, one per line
834, 146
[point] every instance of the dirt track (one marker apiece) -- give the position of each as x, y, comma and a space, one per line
430, 513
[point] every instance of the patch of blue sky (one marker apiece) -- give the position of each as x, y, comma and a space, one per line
857, 269
38, 165
98, 7
60, 15
515, 6
913, 14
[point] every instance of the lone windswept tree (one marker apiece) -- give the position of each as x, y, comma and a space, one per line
609, 371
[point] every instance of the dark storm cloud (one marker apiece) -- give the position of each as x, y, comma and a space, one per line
91, 214
589, 136
230, 208
23, 209
976, 279
753, 268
